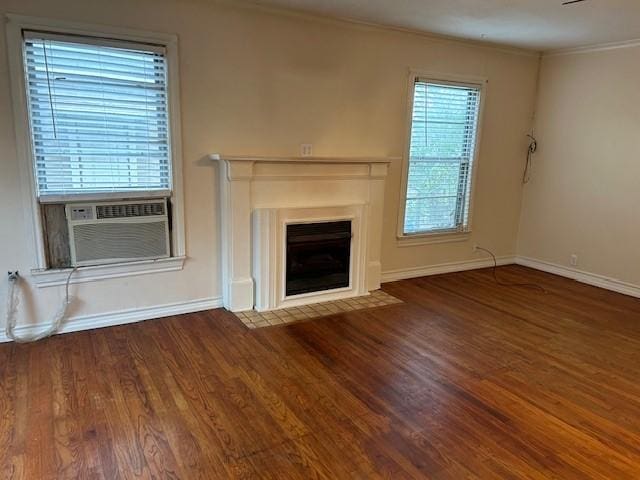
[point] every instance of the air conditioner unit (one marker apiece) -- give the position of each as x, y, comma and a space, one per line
111, 232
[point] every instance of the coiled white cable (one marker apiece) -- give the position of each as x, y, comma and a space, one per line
13, 301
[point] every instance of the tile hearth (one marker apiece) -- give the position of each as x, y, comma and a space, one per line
253, 319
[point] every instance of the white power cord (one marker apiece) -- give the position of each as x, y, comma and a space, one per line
12, 309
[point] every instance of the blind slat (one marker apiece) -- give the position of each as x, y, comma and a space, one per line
443, 136
99, 116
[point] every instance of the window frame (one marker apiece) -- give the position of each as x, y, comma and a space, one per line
45, 197
420, 238
16, 24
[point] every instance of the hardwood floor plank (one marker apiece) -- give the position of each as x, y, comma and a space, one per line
72, 460
12, 390
466, 379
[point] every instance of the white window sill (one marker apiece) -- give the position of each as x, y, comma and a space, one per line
55, 277
432, 238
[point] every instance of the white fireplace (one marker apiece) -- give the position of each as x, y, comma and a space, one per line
262, 196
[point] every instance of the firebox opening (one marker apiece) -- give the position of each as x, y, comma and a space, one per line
318, 256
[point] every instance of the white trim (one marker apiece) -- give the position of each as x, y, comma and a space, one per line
359, 23
453, 79
31, 207
357, 215
89, 322
303, 160
598, 47
451, 267
178, 243
56, 277
270, 254
15, 25
581, 276
432, 238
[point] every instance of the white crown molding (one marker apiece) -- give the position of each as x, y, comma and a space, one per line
581, 276
354, 22
451, 267
600, 47
89, 322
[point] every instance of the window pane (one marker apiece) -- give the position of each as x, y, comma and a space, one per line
99, 118
443, 132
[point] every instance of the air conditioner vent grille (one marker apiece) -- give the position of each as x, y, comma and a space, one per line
107, 241
127, 210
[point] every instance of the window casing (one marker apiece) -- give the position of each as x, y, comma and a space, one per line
117, 37
444, 122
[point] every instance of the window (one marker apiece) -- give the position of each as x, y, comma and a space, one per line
444, 125
98, 112
97, 116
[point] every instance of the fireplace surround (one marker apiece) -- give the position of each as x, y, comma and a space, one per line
264, 199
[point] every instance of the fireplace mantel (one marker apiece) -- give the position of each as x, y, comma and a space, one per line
304, 160
253, 185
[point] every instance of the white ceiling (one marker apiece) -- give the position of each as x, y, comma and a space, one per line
532, 24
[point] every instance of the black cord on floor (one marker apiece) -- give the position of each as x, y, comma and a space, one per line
509, 284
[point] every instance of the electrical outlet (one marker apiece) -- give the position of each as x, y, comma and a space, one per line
306, 149
475, 247
574, 260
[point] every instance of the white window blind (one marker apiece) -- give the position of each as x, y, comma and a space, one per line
443, 137
99, 116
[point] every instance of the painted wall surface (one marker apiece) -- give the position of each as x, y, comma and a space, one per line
585, 191
261, 82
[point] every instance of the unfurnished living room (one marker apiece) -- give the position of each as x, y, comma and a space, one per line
320, 239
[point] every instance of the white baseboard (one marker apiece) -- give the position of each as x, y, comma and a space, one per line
414, 272
89, 322
581, 276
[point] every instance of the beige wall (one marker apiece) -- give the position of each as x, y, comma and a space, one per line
585, 192
255, 82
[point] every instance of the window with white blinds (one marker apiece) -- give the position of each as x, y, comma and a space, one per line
444, 125
99, 116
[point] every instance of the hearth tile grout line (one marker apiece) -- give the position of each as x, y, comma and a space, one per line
285, 316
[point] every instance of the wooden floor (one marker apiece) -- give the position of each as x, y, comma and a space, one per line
466, 379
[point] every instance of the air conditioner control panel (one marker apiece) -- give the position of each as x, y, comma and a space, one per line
81, 212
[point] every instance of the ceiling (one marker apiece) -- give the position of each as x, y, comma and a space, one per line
531, 24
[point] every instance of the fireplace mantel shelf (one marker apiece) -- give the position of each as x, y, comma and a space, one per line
305, 160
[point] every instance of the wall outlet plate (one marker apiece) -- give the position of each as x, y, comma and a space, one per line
573, 260
306, 150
